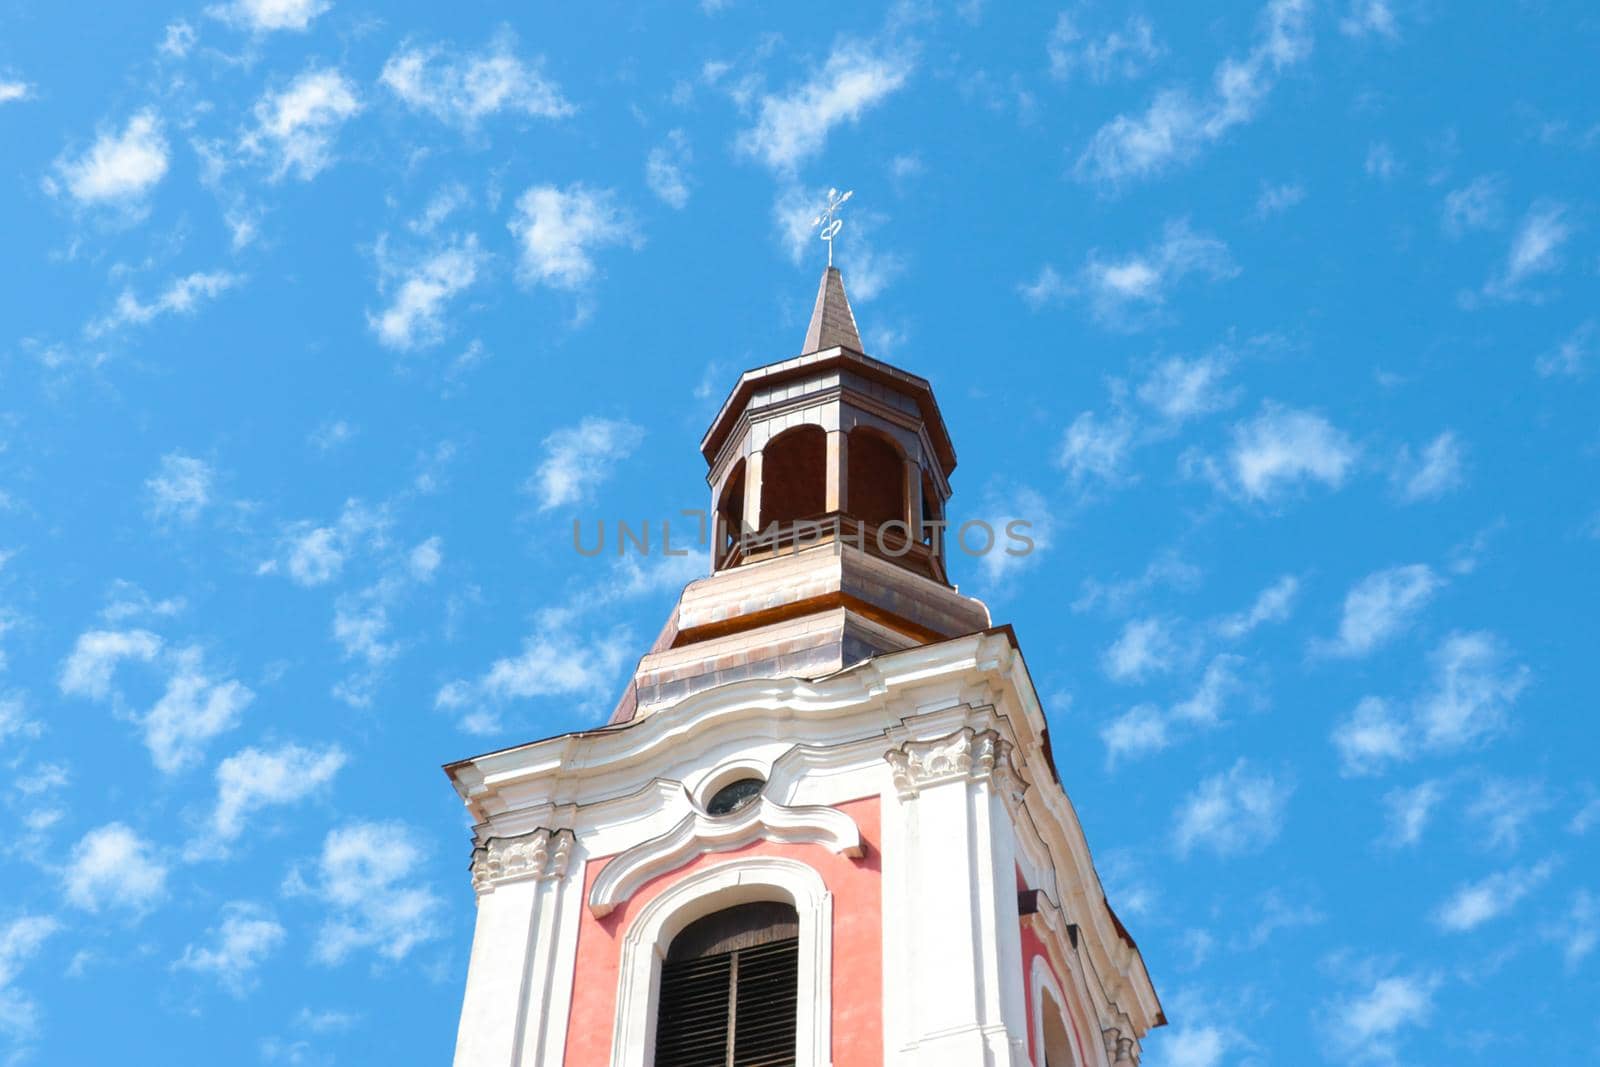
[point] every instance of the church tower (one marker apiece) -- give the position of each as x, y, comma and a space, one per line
823, 825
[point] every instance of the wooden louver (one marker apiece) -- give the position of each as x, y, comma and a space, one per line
733, 1001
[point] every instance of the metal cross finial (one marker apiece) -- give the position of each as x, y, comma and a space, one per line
827, 220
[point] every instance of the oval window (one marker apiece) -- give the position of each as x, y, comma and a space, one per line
733, 796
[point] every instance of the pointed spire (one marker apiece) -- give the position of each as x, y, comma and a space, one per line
832, 324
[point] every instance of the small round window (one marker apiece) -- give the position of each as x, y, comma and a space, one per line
734, 795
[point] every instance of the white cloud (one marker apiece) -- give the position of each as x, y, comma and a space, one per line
1365, 1027
180, 490
195, 708
1237, 811
462, 89
178, 40
1146, 646
1375, 735
555, 660
1048, 288
1176, 126
113, 867
1147, 728
559, 231
20, 939
1467, 702
1125, 53
255, 778
579, 458
14, 89
1409, 812
1272, 604
1096, 449
246, 936
1476, 903
1282, 448
295, 126
1437, 471
1381, 162
1140, 730
1473, 690
182, 296
664, 170
1010, 556
315, 555
264, 16
1579, 931
420, 291
1182, 389
14, 721
1167, 568
88, 669
794, 127
1571, 358
366, 875
119, 168
1381, 606
361, 619
1503, 808
1474, 206
1366, 18
1535, 251
1119, 288
1276, 199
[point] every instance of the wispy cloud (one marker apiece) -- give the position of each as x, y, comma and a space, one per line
1123, 289
1475, 903
112, 867
246, 936
1535, 252
558, 232
577, 459
1572, 357
1237, 811
1369, 18
296, 126
462, 89
419, 291
792, 127
1409, 811
119, 169
665, 170
1272, 604
253, 779
182, 296
1278, 450
266, 16
180, 489
1380, 607
1124, 53
1095, 450
367, 876
1366, 1027
13, 90
1180, 389
1475, 206
1177, 125
1440, 468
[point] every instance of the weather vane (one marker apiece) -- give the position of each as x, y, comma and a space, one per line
830, 225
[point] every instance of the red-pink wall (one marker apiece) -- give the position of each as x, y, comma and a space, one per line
857, 891
1032, 948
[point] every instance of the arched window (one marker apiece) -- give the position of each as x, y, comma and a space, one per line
877, 477
729, 989
730, 508
931, 509
794, 478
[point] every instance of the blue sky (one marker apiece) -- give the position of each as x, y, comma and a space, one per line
323, 321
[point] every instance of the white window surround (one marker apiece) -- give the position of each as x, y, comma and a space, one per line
1047, 996
698, 833
739, 881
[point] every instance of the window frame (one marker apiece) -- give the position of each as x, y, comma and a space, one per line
722, 885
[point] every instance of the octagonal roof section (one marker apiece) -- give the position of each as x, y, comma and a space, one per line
832, 331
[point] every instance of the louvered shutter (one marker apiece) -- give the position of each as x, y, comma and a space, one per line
729, 991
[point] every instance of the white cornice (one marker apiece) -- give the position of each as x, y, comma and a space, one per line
698, 833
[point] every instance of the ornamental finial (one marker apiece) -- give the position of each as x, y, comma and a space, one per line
829, 220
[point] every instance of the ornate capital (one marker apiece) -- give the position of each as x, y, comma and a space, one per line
1119, 1049
975, 755
538, 854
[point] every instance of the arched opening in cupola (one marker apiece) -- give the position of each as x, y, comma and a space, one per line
794, 475
730, 511
876, 478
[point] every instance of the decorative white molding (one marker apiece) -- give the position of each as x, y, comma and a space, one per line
541, 854
966, 754
737, 881
698, 833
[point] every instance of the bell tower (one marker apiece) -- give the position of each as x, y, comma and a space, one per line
823, 825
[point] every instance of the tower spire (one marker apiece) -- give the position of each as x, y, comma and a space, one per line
833, 325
